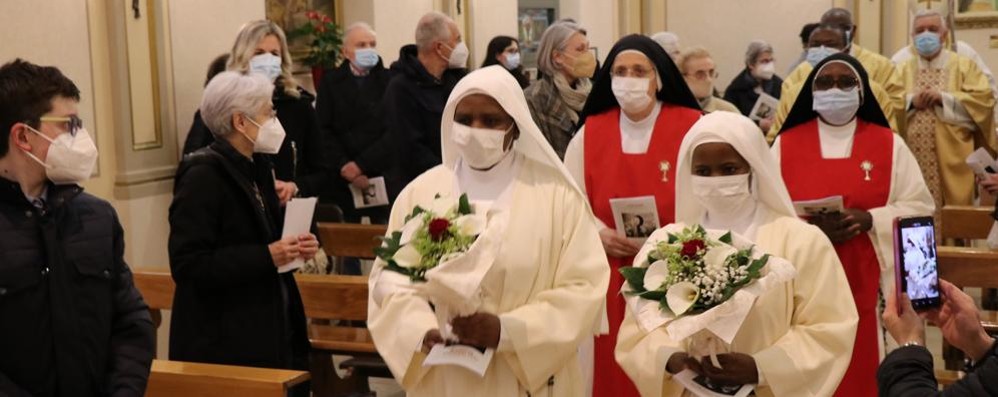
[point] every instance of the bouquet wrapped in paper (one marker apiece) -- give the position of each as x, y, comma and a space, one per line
700, 285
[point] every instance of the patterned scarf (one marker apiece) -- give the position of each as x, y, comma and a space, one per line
575, 98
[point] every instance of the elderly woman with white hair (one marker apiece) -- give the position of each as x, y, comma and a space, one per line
557, 97
299, 165
759, 77
232, 306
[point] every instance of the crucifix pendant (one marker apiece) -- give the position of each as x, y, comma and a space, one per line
866, 166
664, 167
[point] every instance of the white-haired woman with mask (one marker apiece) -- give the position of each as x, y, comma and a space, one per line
797, 338
565, 66
638, 112
232, 306
837, 142
537, 283
299, 166
759, 77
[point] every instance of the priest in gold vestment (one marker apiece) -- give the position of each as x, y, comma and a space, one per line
949, 108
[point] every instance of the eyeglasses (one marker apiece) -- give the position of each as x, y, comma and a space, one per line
637, 71
822, 83
74, 123
704, 74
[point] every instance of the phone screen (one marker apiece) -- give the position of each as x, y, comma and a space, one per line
917, 253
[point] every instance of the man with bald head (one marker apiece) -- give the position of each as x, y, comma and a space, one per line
424, 76
949, 106
830, 38
351, 121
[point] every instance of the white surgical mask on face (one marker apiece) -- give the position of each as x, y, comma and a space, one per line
631, 93
366, 58
458, 57
269, 138
836, 106
481, 148
69, 159
266, 64
723, 196
765, 71
512, 61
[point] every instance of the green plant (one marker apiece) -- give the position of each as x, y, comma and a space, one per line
324, 50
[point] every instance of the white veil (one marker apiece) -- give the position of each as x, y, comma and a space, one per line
496, 82
747, 139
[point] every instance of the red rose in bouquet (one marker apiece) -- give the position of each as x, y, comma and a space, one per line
438, 228
692, 248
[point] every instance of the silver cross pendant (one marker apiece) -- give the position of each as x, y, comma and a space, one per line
866, 166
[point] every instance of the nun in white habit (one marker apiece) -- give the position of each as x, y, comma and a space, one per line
538, 297
797, 339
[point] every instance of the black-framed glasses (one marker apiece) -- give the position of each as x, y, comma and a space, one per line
822, 83
74, 123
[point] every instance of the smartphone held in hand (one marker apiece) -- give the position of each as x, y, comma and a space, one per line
916, 270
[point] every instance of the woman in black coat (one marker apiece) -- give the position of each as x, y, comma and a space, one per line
758, 77
299, 166
231, 305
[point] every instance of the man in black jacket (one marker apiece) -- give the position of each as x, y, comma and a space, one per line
73, 323
414, 101
907, 371
351, 122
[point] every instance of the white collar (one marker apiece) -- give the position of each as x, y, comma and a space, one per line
487, 185
938, 63
635, 136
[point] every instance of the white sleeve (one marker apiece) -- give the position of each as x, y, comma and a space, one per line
908, 196
775, 150
953, 112
575, 161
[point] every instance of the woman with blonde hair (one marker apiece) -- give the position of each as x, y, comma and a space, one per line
261, 47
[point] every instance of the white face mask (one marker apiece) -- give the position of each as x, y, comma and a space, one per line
70, 159
512, 61
269, 138
764, 71
631, 93
723, 195
836, 106
481, 148
458, 57
266, 64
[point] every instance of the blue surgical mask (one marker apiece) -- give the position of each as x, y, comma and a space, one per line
365, 58
836, 106
818, 54
927, 43
266, 64
512, 61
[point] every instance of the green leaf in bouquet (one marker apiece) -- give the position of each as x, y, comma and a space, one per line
415, 212
463, 205
699, 230
635, 277
726, 238
757, 264
673, 238
653, 295
389, 245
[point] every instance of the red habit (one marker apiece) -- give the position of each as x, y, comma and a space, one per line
809, 176
610, 173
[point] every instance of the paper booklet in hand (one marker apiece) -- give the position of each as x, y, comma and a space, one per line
981, 162
635, 217
297, 221
764, 108
820, 206
375, 195
468, 357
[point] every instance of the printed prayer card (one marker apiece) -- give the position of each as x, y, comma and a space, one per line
375, 195
297, 220
636, 217
820, 206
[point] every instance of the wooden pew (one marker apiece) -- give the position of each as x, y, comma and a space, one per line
966, 222
174, 378
350, 239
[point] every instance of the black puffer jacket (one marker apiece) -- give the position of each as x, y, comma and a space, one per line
413, 104
907, 372
71, 321
741, 91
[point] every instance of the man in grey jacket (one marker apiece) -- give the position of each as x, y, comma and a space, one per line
71, 321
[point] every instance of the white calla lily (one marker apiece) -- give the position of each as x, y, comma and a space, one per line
407, 257
441, 205
410, 228
471, 225
655, 275
681, 296
716, 256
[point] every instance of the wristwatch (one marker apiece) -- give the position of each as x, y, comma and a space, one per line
970, 365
